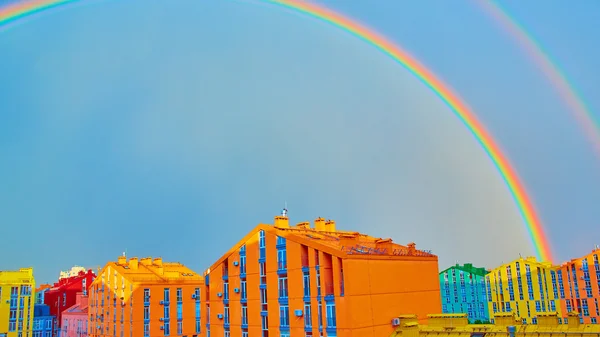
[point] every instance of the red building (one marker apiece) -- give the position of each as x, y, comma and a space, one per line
75, 318
63, 295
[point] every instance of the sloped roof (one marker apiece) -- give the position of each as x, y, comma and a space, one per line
77, 309
152, 271
343, 244
468, 268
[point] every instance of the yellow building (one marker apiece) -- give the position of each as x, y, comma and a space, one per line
525, 287
507, 325
17, 299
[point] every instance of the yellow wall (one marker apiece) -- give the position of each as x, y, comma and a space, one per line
456, 325
498, 282
9, 279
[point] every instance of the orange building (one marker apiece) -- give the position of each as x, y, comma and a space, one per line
579, 285
145, 298
302, 281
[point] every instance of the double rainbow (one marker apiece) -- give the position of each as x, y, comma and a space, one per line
443, 91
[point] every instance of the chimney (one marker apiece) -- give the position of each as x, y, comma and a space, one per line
146, 261
412, 248
78, 298
384, 245
303, 225
330, 226
282, 222
573, 320
133, 263
158, 262
122, 260
320, 224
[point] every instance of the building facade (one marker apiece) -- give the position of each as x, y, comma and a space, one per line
42, 321
143, 298
63, 295
579, 287
524, 286
457, 325
301, 281
17, 297
75, 318
463, 290
40, 292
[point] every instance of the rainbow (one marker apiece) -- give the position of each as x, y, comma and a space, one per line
443, 91
550, 69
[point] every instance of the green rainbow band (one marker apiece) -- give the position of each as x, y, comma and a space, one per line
516, 189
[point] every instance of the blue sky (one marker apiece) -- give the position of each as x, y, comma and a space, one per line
172, 128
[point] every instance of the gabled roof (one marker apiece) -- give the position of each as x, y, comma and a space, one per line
343, 244
468, 268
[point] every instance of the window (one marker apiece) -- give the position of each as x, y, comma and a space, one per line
146, 295
167, 294
331, 319
307, 316
281, 259
283, 287
306, 282
179, 328
242, 264
146, 312
226, 312
167, 328
243, 289
225, 291
244, 315
261, 239
166, 312
263, 271
265, 326
284, 316
179, 295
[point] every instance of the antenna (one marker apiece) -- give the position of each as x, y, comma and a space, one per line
284, 211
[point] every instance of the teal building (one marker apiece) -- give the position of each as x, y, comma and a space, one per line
463, 291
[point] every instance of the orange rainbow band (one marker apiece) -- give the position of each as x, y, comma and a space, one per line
443, 91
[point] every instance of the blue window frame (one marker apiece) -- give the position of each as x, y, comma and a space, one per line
284, 316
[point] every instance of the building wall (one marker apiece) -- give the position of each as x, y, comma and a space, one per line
42, 321
40, 292
17, 298
63, 295
122, 306
373, 290
506, 326
580, 287
464, 292
525, 287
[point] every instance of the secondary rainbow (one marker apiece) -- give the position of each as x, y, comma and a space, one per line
549, 68
460, 109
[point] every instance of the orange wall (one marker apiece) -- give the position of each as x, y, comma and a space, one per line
376, 290
134, 307
594, 282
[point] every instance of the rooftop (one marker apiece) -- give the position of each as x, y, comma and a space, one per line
23, 275
151, 270
326, 237
468, 268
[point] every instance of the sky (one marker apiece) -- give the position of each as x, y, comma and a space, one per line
172, 128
